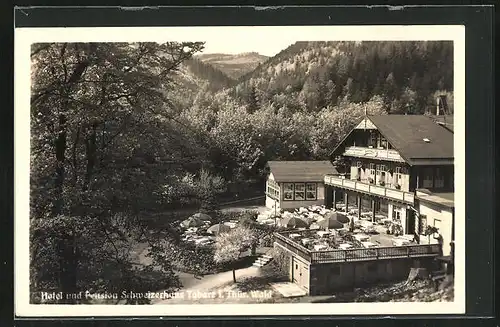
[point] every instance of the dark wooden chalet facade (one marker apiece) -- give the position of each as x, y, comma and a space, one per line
386, 158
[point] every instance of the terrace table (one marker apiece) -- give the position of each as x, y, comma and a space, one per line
322, 233
306, 241
320, 247
230, 224
361, 237
369, 244
407, 237
345, 246
400, 241
365, 223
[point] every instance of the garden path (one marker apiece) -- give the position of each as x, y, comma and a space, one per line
209, 283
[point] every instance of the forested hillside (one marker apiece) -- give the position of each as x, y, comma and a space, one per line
194, 77
313, 75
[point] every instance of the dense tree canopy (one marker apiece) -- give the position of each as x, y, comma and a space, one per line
103, 144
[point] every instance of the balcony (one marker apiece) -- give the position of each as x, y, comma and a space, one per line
357, 254
372, 189
381, 154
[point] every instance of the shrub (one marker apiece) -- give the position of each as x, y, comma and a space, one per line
281, 260
266, 241
189, 258
248, 218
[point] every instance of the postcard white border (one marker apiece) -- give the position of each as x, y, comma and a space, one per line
24, 37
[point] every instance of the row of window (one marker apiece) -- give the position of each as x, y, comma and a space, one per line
300, 191
431, 180
378, 141
273, 192
381, 170
272, 183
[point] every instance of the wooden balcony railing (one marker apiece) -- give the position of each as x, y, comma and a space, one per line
395, 194
339, 255
408, 251
382, 154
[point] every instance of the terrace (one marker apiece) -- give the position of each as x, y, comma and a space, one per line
371, 189
340, 246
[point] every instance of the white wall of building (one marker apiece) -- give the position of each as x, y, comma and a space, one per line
440, 217
271, 203
392, 210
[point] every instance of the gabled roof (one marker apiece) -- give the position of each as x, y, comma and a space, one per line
406, 133
301, 171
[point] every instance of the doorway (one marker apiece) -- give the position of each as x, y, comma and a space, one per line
410, 222
300, 273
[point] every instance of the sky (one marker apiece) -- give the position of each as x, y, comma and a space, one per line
267, 41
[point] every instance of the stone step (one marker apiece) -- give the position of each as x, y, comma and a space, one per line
262, 261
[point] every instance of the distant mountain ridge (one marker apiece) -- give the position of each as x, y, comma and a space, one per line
233, 65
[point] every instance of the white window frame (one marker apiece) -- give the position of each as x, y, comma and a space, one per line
396, 213
314, 189
383, 142
399, 175
285, 191
303, 192
273, 189
373, 140
372, 170
383, 173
